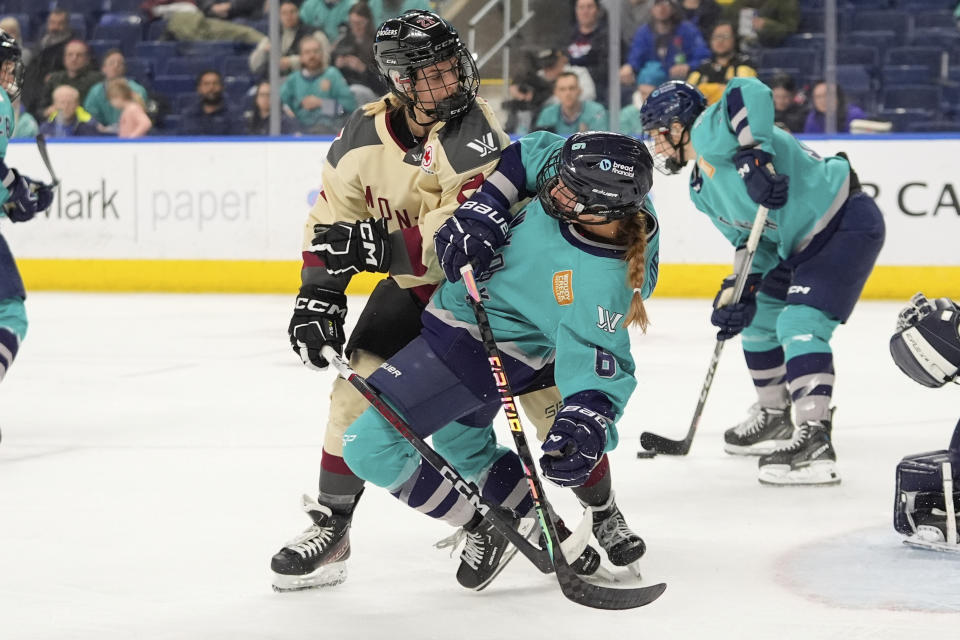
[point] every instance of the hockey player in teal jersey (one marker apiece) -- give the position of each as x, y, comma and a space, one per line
562, 281
818, 247
23, 198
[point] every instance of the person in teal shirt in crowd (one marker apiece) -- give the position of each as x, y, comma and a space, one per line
648, 79
383, 10
327, 15
318, 94
571, 114
96, 103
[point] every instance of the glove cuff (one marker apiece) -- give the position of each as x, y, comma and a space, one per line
596, 401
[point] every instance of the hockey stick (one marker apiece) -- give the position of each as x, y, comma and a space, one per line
42, 147
653, 443
468, 490
572, 586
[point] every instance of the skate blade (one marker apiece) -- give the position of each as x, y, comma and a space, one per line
929, 545
815, 474
326, 576
758, 449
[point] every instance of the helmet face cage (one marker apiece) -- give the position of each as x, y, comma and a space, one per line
421, 45
672, 102
566, 207
10, 53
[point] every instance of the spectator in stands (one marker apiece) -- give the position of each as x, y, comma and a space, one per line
571, 113
11, 26
667, 39
726, 62
703, 14
97, 103
791, 112
763, 22
554, 62
68, 118
328, 15
47, 58
589, 43
630, 124
77, 73
816, 119
633, 15
318, 94
209, 115
257, 119
353, 55
134, 121
26, 127
230, 9
292, 31
383, 10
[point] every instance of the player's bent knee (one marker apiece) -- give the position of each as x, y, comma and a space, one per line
375, 451
800, 321
471, 450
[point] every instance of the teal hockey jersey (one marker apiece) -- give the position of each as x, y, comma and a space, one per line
744, 117
553, 293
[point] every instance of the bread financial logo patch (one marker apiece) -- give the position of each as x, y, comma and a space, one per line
563, 287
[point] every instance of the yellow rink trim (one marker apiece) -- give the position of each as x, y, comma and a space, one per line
254, 276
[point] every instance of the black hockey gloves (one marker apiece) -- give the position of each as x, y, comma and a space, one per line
317, 320
763, 185
473, 236
730, 317
27, 198
352, 247
574, 444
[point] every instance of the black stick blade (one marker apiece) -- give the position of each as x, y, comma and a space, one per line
659, 444
597, 597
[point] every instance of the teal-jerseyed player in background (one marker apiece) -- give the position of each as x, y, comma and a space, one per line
819, 245
562, 281
22, 198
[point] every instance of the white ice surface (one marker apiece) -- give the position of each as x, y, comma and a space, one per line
155, 447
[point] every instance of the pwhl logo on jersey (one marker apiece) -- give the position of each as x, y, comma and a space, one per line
608, 320
484, 146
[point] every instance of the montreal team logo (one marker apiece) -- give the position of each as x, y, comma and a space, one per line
425, 21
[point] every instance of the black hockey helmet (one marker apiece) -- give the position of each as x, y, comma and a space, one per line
608, 174
419, 40
10, 50
926, 345
673, 101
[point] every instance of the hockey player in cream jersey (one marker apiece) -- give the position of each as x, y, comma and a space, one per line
398, 169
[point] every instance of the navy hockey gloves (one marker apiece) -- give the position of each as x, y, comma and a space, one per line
576, 440
763, 185
352, 247
317, 320
473, 236
27, 198
730, 317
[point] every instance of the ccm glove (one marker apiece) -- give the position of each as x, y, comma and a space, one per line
763, 185
472, 235
27, 198
317, 320
574, 445
733, 317
352, 247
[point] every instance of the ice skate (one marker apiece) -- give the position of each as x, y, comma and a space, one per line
808, 459
317, 557
762, 432
623, 547
486, 552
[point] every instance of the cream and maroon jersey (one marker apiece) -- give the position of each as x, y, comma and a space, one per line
370, 173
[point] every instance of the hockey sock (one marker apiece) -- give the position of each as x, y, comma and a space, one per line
769, 373
596, 490
430, 493
505, 484
9, 344
339, 487
811, 385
